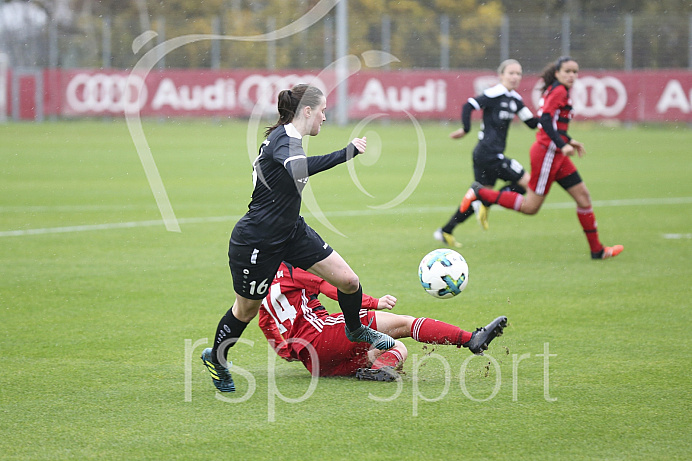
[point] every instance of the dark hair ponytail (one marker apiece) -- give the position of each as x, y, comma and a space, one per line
292, 101
549, 71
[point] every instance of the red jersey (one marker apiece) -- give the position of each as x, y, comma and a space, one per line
292, 309
554, 115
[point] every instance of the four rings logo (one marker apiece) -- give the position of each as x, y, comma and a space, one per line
99, 93
260, 91
593, 96
105, 93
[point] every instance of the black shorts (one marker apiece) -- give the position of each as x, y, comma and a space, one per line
487, 169
253, 267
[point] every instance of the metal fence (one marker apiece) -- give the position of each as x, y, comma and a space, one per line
612, 42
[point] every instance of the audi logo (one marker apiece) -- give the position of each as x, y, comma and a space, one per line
106, 93
593, 96
261, 90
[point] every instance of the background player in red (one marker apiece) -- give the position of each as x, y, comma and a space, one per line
550, 160
300, 328
500, 103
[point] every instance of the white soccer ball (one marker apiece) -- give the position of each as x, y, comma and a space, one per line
443, 273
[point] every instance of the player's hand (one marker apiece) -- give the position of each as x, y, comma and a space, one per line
568, 150
386, 302
578, 146
360, 144
460, 133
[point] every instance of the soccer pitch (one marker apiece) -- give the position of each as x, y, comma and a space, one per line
103, 312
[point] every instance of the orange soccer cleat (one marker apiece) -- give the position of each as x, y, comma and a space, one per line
608, 252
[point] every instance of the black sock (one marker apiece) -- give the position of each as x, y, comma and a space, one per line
350, 305
457, 218
229, 328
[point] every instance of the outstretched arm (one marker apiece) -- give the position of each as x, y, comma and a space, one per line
369, 302
300, 166
324, 162
466, 110
526, 116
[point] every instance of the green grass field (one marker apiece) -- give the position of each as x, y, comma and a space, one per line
103, 312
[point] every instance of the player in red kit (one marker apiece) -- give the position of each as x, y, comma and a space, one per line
499, 103
300, 328
550, 160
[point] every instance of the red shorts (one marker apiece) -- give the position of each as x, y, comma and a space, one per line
548, 164
337, 355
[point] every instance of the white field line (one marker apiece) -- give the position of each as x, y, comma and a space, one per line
335, 214
677, 236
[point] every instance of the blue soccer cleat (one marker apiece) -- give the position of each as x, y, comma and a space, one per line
219, 374
365, 334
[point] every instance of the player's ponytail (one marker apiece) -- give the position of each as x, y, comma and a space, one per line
549, 71
292, 101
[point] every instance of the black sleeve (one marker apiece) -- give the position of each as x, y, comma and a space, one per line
532, 122
466, 110
300, 167
525, 115
547, 125
320, 163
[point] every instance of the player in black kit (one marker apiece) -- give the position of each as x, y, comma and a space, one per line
500, 104
273, 231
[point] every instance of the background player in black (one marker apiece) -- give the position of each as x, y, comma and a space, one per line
499, 104
273, 231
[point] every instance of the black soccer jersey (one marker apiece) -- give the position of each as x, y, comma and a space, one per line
499, 107
280, 173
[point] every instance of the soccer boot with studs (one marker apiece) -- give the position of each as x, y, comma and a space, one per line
365, 334
220, 375
470, 196
482, 337
608, 252
446, 238
386, 374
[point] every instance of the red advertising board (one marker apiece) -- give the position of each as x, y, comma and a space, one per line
423, 94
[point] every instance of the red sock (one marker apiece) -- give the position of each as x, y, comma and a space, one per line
433, 331
506, 199
390, 358
588, 222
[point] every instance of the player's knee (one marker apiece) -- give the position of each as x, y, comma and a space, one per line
529, 210
584, 199
401, 348
350, 284
531, 205
246, 309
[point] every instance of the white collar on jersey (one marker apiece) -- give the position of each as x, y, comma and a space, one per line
499, 90
292, 131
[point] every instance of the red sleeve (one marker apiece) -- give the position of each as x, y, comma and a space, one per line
330, 290
554, 100
271, 332
304, 279
369, 302
314, 285
310, 283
